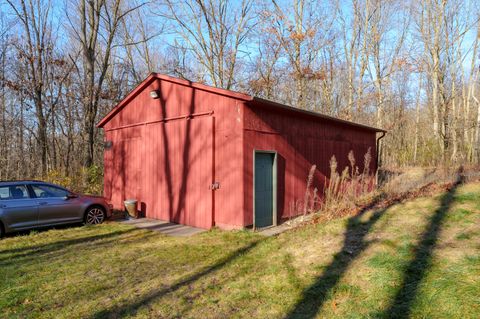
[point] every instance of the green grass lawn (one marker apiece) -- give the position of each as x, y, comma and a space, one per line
417, 259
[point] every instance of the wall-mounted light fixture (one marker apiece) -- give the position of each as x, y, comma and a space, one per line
154, 94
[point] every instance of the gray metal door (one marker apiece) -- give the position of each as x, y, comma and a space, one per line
264, 189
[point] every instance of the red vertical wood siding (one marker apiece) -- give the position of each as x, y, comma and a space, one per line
300, 141
168, 163
167, 152
180, 171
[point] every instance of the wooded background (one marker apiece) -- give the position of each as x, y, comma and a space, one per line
410, 67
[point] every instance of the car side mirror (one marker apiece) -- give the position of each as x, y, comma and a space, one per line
70, 196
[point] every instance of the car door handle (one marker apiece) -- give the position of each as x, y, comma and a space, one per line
43, 203
3, 206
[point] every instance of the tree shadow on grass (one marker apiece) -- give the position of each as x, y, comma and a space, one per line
79, 250
132, 308
9, 256
314, 296
401, 305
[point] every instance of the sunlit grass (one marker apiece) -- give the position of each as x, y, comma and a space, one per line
113, 270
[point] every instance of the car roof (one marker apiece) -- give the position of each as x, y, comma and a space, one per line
23, 182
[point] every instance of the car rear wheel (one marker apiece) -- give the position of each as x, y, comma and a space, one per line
2, 230
94, 216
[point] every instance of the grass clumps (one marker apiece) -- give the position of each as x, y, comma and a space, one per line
406, 259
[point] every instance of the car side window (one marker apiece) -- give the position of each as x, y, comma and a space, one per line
4, 192
48, 191
13, 192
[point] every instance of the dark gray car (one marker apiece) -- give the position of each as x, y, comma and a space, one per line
31, 204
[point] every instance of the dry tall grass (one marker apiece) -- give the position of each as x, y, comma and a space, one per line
353, 188
311, 197
348, 189
347, 192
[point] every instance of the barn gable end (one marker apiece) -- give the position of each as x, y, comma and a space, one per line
166, 152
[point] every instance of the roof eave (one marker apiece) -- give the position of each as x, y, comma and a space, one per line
153, 76
204, 87
127, 99
228, 93
316, 114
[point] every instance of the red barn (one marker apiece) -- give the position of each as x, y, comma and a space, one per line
201, 156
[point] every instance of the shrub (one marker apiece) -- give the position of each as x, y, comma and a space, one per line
93, 180
88, 180
57, 177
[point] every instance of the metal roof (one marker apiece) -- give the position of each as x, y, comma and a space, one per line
314, 114
229, 93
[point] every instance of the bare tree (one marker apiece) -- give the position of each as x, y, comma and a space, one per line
384, 54
95, 28
4, 137
303, 30
142, 55
353, 27
214, 32
35, 50
265, 61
